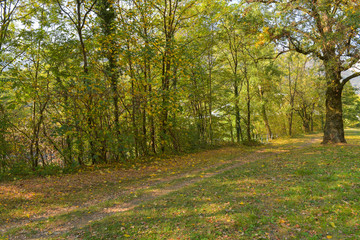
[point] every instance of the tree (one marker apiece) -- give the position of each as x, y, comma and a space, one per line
351, 103
107, 19
234, 41
328, 30
79, 13
268, 89
172, 14
10, 12
98, 81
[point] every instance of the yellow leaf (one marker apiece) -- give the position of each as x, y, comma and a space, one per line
332, 224
329, 237
126, 235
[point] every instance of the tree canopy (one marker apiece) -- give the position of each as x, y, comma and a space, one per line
92, 81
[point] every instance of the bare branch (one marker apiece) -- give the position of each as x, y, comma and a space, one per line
64, 11
354, 75
87, 13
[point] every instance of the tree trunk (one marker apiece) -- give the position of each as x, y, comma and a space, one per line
134, 104
165, 102
231, 131
290, 118
144, 122
152, 124
107, 16
266, 120
173, 117
210, 112
89, 107
239, 136
306, 125
248, 102
334, 126
263, 111
210, 61
237, 114
165, 86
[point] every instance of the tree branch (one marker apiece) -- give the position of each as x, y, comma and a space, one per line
354, 75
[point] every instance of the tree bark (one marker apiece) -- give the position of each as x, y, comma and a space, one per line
248, 104
239, 136
306, 125
334, 126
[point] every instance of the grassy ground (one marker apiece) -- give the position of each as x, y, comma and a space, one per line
291, 189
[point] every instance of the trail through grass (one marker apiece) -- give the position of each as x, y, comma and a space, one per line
291, 189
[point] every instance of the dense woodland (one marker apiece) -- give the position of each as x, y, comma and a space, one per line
100, 81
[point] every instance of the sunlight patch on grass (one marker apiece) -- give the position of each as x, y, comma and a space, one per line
300, 193
308, 193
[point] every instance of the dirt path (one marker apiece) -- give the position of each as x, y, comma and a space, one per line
150, 191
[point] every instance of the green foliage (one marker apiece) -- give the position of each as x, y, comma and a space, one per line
22, 170
118, 83
351, 105
16, 170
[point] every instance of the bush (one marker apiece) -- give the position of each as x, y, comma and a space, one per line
252, 143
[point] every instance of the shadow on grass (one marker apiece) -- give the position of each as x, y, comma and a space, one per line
352, 132
307, 193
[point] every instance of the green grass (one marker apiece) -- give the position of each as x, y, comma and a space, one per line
310, 193
294, 192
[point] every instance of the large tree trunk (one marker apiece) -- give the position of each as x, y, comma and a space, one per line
334, 126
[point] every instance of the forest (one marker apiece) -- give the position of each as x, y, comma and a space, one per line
88, 82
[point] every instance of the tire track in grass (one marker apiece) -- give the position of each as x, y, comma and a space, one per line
152, 190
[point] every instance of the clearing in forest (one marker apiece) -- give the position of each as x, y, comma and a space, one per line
291, 188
